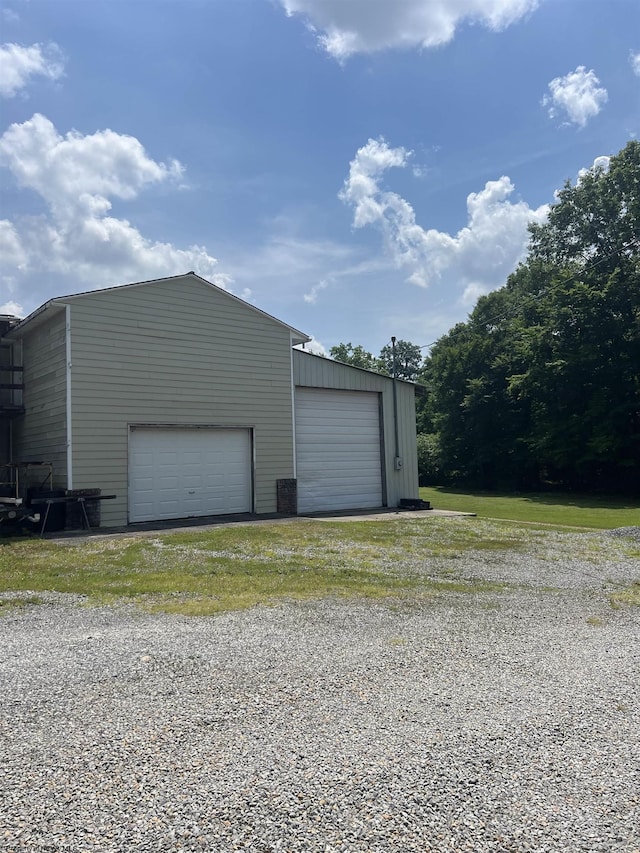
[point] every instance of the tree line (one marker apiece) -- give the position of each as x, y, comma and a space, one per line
541, 385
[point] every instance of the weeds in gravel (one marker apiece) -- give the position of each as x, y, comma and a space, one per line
207, 571
629, 595
8, 604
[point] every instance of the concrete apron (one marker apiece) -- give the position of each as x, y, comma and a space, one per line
211, 522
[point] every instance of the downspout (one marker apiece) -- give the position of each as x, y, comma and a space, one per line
68, 377
293, 409
397, 461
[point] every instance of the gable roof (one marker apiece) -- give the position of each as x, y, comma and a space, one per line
57, 303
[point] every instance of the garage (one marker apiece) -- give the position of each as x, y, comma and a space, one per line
338, 450
181, 472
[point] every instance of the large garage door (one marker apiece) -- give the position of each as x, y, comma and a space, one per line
338, 450
180, 473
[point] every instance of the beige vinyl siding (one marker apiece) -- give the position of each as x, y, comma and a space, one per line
176, 352
6, 397
312, 371
41, 433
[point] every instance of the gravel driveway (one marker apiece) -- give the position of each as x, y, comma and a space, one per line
502, 721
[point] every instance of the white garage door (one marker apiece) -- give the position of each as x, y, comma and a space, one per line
180, 473
338, 450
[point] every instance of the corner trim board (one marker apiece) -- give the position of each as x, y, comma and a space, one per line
293, 410
68, 402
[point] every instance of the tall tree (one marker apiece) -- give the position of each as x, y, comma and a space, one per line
408, 360
596, 222
356, 356
544, 379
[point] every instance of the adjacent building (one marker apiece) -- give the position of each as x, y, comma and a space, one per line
183, 400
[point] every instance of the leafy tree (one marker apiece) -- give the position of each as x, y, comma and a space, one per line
595, 223
356, 356
408, 360
407, 364
543, 382
429, 466
425, 412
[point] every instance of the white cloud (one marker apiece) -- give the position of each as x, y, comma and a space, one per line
13, 308
19, 64
13, 257
288, 255
312, 296
76, 175
635, 63
577, 95
314, 346
10, 16
346, 27
12, 253
285, 258
472, 293
601, 162
482, 254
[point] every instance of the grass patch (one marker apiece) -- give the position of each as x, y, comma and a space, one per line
8, 604
562, 510
629, 596
201, 572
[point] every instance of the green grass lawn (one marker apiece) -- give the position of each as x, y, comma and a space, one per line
564, 510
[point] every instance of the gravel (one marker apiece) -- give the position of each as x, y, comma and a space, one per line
495, 721
626, 532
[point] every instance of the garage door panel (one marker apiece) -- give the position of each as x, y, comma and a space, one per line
214, 481
179, 473
338, 450
319, 452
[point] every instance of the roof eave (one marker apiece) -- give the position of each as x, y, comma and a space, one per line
50, 307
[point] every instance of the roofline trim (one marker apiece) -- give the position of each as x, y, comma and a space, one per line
354, 367
62, 300
51, 303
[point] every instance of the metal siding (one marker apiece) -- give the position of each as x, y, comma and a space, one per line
338, 450
176, 352
315, 372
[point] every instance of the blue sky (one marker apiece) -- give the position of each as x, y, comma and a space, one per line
358, 168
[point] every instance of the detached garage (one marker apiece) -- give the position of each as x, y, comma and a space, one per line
185, 401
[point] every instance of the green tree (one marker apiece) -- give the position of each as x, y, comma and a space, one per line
596, 222
429, 466
408, 360
543, 381
356, 356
